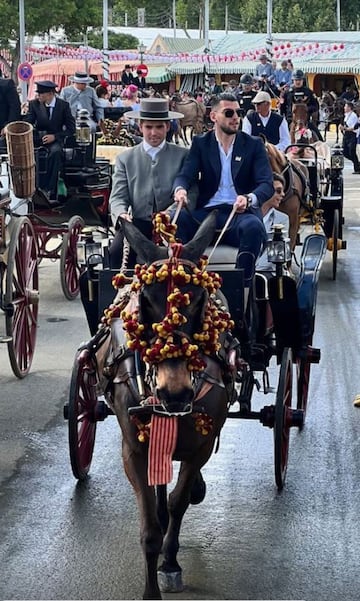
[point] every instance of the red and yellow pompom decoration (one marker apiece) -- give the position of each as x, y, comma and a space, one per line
163, 229
173, 272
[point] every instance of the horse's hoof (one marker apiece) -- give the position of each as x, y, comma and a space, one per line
198, 491
170, 582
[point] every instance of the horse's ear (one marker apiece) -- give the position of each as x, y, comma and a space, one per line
193, 250
146, 251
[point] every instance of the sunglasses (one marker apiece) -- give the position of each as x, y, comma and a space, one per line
228, 113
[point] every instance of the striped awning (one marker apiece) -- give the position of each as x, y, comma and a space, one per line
158, 74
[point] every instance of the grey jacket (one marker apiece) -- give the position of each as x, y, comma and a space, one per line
146, 185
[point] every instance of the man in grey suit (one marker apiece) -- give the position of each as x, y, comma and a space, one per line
143, 178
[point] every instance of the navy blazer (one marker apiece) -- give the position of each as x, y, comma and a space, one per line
61, 124
250, 168
10, 109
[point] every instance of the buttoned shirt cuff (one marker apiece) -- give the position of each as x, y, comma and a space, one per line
179, 188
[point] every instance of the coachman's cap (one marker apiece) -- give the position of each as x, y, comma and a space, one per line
154, 109
45, 86
80, 77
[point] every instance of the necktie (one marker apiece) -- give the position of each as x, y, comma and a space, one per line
48, 111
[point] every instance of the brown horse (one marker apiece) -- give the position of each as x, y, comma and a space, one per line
300, 121
174, 401
296, 177
194, 116
331, 113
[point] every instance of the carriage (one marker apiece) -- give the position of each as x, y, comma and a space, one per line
324, 165
278, 329
32, 229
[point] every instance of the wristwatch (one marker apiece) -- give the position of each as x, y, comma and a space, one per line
249, 200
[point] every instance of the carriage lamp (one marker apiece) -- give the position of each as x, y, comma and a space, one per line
89, 251
337, 157
82, 128
278, 247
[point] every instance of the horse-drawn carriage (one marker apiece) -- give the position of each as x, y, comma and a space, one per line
46, 230
192, 359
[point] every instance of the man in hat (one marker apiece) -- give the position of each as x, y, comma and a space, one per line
143, 176
142, 184
139, 80
264, 121
300, 93
81, 96
10, 109
127, 77
264, 68
53, 122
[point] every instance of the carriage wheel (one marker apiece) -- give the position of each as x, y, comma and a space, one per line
303, 379
81, 413
335, 239
283, 418
69, 267
22, 295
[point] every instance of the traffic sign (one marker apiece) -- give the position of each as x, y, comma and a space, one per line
144, 70
25, 71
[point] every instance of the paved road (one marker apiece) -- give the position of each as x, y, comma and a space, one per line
60, 540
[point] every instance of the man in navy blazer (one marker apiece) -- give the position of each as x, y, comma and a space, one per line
10, 109
234, 172
53, 122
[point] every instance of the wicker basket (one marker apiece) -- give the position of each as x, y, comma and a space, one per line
20, 145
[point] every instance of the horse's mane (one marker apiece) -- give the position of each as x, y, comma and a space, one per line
276, 157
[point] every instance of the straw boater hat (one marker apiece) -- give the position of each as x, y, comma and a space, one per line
154, 109
80, 77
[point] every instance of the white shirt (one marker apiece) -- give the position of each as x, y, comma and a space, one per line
152, 151
351, 120
284, 134
226, 192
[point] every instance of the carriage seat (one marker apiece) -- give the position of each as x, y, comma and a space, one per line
223, 262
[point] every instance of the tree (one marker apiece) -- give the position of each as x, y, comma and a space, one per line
74, 16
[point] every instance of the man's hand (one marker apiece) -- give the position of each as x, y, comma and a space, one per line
48, 139
125, 217
181, 196
241, 203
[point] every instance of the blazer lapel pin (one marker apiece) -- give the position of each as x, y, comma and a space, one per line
238, 159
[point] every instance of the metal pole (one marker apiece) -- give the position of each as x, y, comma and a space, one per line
226, 18
174, 16
106, 60
23, 84
338, 19
206, 23
269, 38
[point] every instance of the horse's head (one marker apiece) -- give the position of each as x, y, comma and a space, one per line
300, 113
174, 322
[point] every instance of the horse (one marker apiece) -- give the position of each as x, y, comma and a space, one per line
331, 113
194, 116
181, 402
296, 177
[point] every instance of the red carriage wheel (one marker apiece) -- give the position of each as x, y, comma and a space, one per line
81, 413
283, 418
335, 240
21, 295
69, 267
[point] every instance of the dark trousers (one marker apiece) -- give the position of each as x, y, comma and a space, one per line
117, 245
349, 147
246, 232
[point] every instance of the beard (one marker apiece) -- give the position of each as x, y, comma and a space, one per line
230, 130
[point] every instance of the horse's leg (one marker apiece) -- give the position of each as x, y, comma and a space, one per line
134, 455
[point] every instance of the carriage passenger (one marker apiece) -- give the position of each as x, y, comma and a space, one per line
235, 173
53, 123
300, 93
272, 216
266, 122
246, 95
